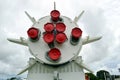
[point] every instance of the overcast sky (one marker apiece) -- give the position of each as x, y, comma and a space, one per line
101, 18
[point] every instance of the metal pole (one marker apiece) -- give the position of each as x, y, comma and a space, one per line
54, 6
105, 76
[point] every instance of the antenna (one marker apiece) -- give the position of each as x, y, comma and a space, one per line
54, 5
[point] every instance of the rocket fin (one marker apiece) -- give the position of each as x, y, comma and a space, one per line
85, 67
79, 61
78, 17
21, 41
31, 18
88, 39
26, 68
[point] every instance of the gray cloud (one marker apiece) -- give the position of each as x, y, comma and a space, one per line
95, 25
104, 53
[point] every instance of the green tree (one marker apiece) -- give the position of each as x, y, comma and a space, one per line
92, 76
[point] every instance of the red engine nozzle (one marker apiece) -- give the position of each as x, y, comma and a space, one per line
76, 33
55, 15
49, 27
60, 27
54, 54
33, 33
48, 37
61, 38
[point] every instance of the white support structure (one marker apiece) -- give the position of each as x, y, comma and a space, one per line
21, 41
31, 64
31, 18
56, 75
81, 64
78, 17
89, 39
68, 71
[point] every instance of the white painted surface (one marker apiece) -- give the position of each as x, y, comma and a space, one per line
40, 48
69, 71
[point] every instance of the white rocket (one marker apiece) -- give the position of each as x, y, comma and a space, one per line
55, 40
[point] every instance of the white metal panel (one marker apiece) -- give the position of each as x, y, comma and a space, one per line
40, 48
69, 71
